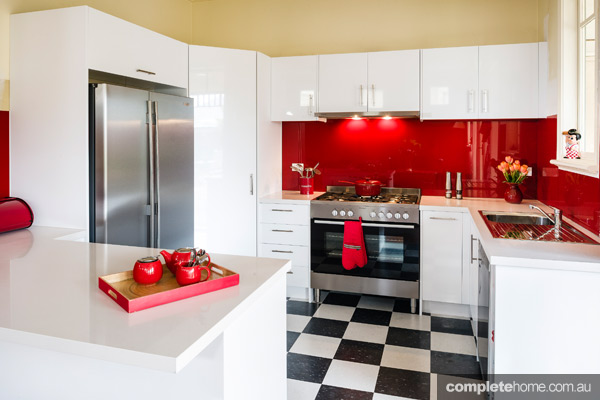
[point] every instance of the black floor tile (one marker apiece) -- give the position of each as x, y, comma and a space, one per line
359, 352
451, 325
409, 338
301, 308
337, 393
455, 365
307, 368
342, 299
403, 383
374, 317
291, 339
326, 327
403, 305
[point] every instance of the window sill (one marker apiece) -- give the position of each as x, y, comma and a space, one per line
582, 167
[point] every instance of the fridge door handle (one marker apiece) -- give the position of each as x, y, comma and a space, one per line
156, 176
151, 174
251, 184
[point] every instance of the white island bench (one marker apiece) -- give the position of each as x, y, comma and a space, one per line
62, 338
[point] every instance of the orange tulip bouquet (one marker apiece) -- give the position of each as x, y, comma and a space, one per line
514, 174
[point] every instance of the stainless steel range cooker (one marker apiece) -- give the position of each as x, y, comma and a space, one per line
391, 231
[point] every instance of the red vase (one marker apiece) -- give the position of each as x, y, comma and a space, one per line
513, 194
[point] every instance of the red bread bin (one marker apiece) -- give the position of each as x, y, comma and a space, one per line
14, 214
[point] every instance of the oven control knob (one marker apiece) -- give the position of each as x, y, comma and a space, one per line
372, 214
389, 215
405, 216
342, 213
397, 215
334, 213
350, 213
381, 214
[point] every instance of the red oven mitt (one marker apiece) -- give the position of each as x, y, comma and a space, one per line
354, 253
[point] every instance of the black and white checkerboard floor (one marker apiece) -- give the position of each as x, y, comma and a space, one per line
368, 347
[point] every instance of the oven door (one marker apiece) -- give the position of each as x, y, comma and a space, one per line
392, 252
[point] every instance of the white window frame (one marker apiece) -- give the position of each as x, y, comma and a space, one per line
568, 116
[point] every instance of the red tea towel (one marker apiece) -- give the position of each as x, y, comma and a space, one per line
354, 253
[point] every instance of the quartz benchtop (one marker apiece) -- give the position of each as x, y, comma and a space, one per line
522, 253
49, 298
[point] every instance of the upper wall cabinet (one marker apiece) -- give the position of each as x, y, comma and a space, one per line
120, 47
294, 88
369, 82
487, 82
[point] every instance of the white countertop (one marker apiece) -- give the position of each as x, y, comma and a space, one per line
49, 298
524, 253
290, 197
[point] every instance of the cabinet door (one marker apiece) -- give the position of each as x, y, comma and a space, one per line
223, 86
294, 88
393, 80
508, 81
450, 83
120, 47
441, 256
343, 82
472, 237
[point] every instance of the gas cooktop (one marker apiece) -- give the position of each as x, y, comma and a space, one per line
392, 205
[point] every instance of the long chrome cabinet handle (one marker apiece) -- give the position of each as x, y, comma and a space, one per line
282, 230
361, 95
282, 251
473, 240
157, 174
484, 100
470, 101
280, 210
251, 184
152, 210
310, 104
368, 224
373, 99
443, 219
145, 71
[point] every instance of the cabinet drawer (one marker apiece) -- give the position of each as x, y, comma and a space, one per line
284, 234
294, 214
298, 254
299, 277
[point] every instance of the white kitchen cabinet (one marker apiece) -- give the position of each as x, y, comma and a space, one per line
393, 80
284, 232
294, 88
120, 47
441, 256
486, 82
508, 81
343, 82
450, 83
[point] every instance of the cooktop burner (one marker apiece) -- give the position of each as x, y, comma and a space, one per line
387, 195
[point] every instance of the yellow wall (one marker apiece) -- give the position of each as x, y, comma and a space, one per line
169, 17
300, 27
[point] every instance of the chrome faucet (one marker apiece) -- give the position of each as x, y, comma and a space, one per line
557, 220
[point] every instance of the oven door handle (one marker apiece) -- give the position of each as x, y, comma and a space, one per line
367, 224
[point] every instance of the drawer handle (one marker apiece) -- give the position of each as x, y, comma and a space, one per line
290, 272
282, 251
278, 210
146, 72
443, 219
282, 230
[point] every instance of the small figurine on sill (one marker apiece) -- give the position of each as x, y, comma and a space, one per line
572, 138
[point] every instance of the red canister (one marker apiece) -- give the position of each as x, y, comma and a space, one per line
14, 214
307, 185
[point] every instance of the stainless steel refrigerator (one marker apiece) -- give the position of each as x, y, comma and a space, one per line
141, 168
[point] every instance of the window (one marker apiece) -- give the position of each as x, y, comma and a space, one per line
586, 58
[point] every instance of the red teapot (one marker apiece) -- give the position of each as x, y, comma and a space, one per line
192, 273
147, 270
184, 256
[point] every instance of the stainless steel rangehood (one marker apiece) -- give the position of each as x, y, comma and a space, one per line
368, 114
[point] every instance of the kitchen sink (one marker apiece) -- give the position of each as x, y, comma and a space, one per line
516, 218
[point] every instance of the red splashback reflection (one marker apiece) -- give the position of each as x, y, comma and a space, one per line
578, 196
4, 162
411, 153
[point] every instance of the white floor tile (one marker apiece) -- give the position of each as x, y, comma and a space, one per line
376, 303
316, 345
433, 387
366, 332
331, 311
297, 323
300, 390
450, 343
411, 321
379, 396
406, 358
352, 375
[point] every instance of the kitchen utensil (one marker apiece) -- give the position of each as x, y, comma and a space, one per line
299, 168
366, 187
147, 270
309, 173
184, 256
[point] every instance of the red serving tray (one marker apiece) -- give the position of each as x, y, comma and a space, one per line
132, 296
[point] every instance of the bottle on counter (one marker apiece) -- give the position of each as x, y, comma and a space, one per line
448, 185
459, 191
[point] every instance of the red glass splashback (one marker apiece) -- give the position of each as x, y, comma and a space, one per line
411, 153
4, 153
578, 196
